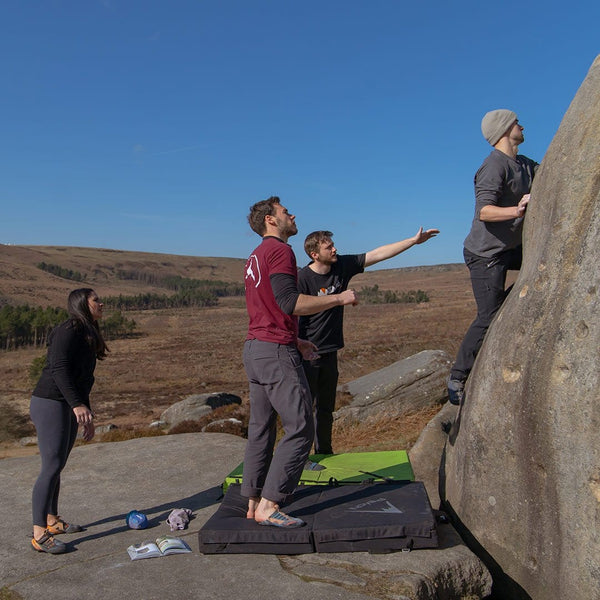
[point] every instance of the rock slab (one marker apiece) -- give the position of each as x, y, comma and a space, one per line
523, 462
103, 482
405, 386
197, 406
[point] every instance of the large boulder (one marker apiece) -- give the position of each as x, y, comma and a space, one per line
405, 386
523, 459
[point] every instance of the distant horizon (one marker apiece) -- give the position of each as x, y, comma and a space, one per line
379, 267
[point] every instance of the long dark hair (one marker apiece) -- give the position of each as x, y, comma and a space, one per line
79, 311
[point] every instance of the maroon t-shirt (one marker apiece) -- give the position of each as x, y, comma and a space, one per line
268, 323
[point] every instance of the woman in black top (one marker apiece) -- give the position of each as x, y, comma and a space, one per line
59, 404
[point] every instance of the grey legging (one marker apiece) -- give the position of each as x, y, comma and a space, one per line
56, 427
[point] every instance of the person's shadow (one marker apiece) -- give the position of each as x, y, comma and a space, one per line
158, 514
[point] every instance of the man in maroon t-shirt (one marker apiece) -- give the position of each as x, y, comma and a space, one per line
273, 362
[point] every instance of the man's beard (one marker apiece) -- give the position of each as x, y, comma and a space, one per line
289, 230
329, 261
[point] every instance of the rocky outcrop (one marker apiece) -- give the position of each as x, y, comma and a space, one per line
231, 425
523, 459
405, 386
426, 454
197, 406
447, 573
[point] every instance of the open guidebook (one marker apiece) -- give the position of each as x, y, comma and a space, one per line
163, 545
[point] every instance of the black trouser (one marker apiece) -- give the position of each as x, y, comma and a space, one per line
322, 375
488, 278
56, 427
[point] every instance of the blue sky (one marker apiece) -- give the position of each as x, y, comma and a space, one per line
153, 125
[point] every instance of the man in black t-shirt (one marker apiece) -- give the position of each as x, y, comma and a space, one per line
328, 274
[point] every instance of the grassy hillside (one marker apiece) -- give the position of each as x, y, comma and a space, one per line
21, 281
177, 352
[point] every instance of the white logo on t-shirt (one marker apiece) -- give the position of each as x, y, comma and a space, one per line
253, 270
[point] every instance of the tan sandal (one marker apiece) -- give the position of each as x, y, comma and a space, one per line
59, 527
48, 544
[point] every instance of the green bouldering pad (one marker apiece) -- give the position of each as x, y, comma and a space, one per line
350, 468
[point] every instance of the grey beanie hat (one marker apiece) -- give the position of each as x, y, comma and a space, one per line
495, 123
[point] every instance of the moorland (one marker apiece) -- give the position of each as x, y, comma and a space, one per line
175, 352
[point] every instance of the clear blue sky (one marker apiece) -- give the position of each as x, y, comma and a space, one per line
154, 124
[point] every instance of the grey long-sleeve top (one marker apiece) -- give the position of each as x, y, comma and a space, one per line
500, 181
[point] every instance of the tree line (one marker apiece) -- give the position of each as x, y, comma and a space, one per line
218, 288
189, 291
153, 301
30, 326
116, 326
373, 295
135, 275
196, 293
27, 326
177, 283
61, 271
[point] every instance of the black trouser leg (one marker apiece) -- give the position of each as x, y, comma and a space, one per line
488, 278
322, 375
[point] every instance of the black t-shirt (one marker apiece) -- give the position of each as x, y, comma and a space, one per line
326, 329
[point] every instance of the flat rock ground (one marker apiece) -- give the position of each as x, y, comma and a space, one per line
103, 482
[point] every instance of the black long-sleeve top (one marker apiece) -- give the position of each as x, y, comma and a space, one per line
69, 372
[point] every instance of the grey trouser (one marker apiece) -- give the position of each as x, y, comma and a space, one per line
56, 428
278, 386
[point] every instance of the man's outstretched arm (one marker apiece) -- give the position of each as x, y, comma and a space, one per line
390, 250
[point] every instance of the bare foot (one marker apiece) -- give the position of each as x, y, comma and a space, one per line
252, 504
264, 509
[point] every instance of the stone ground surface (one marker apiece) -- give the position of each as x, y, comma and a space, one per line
103, 482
